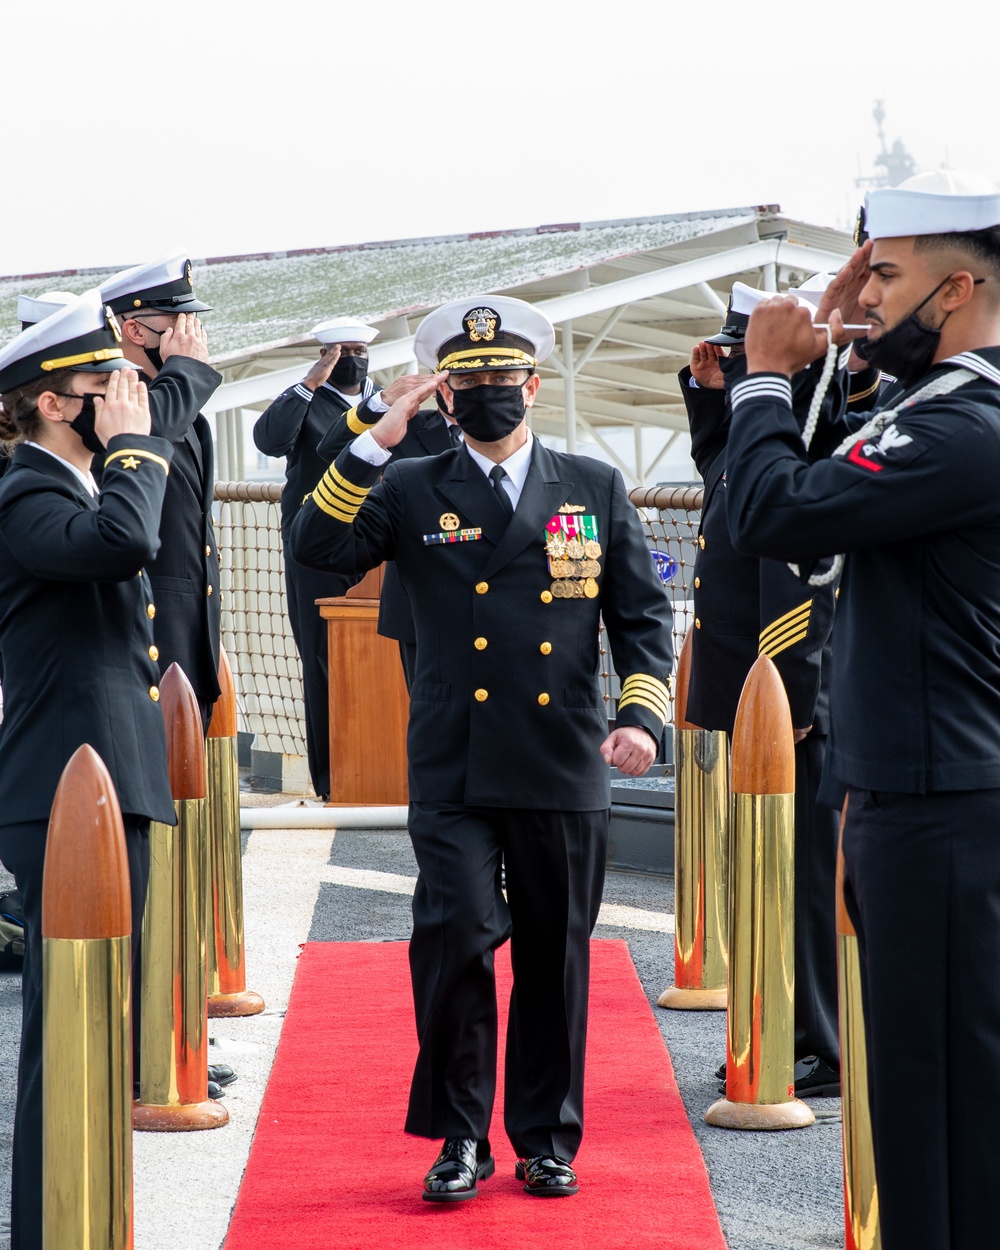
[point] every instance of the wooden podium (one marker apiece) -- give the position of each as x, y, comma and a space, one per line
368, 704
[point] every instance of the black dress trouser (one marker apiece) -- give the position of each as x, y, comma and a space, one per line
304, 586
817, 830
922, 887
22, 849
554, 864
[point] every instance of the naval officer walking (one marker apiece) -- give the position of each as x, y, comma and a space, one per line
509, 554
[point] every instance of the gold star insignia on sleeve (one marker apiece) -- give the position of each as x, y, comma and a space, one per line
130, 462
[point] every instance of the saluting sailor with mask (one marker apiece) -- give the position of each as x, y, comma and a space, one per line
911, 501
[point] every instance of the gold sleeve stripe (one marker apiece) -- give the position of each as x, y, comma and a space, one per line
643, 702
354, 422
778, 645
331, 511
776, 642
334, 480
795, 617
650, 687
646, 689
334, 499
853, 398
123, 452
341, 493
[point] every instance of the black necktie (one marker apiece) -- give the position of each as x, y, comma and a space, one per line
497, 476
455, 434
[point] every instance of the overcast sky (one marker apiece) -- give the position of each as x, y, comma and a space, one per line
227, 128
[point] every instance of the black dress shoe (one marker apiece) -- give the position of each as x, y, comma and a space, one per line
720, 1071
462, 1162
221, 1073
546, 1177
215, 1090
814, 1078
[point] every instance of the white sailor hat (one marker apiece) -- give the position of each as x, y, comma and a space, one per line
742, 302
940, 201
487, 332
82, 335
344, 330
166, 285
32, 308
813, 289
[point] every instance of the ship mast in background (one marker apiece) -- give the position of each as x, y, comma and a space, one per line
894, 164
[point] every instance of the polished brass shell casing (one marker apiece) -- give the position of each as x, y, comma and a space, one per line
87, 1077
701, 872
860, 1189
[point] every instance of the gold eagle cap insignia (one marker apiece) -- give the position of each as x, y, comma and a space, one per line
482, 324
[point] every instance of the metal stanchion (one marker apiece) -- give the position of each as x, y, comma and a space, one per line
173, 1056
760, 1032
87, 1039
860, 1189
701, 859
227, 987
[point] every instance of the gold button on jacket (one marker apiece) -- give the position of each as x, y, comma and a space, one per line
543, 699
546, 648
154, 693
482, 695
208, 591
150, 610
480, 644
482, 588
546, 596
154, 653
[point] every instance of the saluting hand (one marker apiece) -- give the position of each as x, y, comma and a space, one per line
123, 408
186, 337
391, 428
321, 370
402, 386
705, 366
843, 292
630, 749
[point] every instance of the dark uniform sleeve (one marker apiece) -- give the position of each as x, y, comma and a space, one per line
178, 393
796, 621
708, 420
348, 524
935, 468
638, 619
277, 428
54, 537
345, 428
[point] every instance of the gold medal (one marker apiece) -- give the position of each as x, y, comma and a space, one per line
590, 588
449, 521
574, 549
558, 590
592, 549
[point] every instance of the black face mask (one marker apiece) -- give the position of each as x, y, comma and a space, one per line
155, 359
489, 413
733, 367
83, 422
907, 350
349, 371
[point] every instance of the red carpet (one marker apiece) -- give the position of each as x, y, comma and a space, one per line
334, 1107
